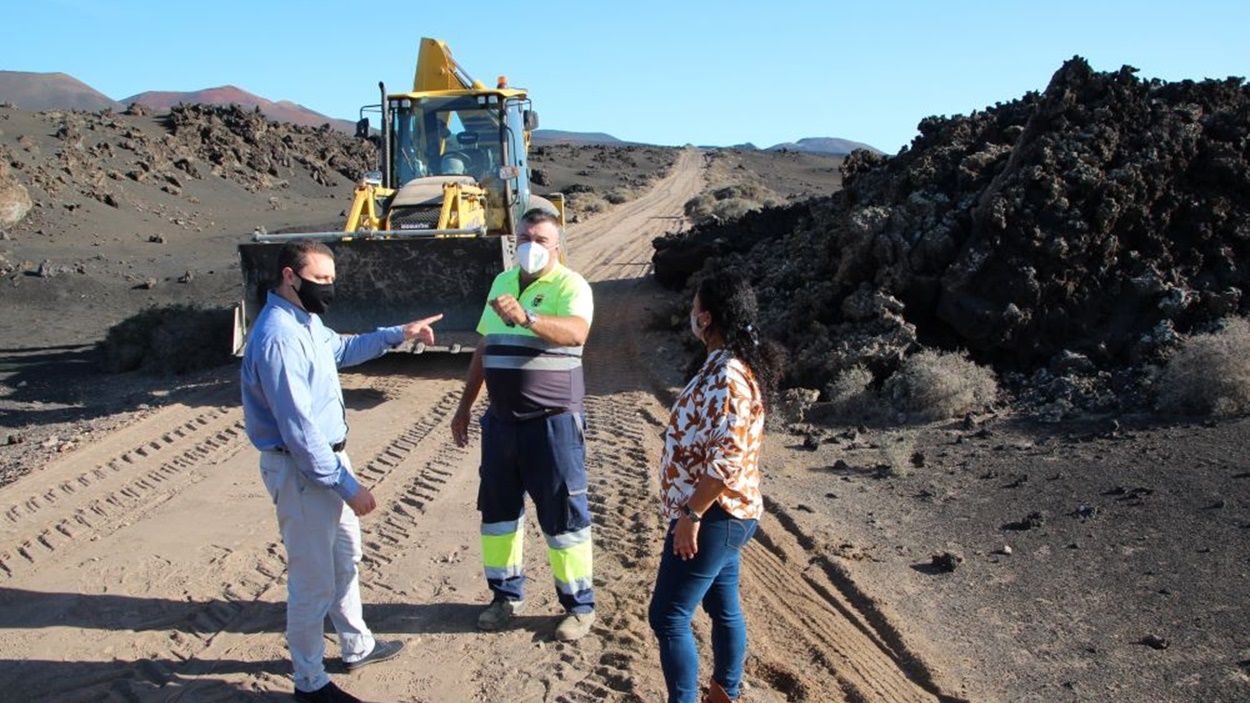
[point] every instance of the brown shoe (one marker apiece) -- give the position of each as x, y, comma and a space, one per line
716, 694
575, 626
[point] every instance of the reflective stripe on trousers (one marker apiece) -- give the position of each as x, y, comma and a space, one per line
543, 457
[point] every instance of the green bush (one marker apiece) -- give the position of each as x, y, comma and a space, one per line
1210, 373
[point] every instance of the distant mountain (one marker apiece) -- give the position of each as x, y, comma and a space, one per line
823, 145
281, 111
556, 136
58, 91
745, 146
52, 91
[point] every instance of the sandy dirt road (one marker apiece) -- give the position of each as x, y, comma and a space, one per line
147, 567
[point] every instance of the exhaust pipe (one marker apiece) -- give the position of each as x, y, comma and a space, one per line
386, 138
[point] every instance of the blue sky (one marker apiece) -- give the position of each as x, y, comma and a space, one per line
660, 72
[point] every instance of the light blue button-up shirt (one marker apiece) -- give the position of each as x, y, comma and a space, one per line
291, 393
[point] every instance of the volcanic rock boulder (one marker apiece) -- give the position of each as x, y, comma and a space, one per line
242, 145
14, 199
1123, 202
99, 154
1100, 218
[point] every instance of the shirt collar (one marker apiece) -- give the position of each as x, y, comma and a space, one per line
717, 357
546, 277
303, 316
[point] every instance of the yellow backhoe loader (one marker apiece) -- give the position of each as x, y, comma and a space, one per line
431, 229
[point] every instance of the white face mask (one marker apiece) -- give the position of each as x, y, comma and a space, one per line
532, 257
694, 327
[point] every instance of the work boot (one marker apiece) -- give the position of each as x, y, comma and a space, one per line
716, 694
328, 693
575, 626
382, 650
497, 615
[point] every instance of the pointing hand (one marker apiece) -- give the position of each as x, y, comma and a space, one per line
421, 329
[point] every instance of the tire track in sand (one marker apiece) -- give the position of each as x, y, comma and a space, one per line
68, 504
134, 469
190, 652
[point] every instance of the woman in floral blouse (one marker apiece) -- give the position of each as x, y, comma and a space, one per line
710, 489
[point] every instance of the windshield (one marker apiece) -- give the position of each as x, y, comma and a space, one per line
445, 137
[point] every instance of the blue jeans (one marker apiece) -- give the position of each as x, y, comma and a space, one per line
711, 577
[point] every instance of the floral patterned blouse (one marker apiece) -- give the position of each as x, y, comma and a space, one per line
716, 427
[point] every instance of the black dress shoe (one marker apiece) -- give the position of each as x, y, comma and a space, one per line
328, 693
382, 650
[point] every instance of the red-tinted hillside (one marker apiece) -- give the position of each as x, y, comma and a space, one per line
51, 91
282, 111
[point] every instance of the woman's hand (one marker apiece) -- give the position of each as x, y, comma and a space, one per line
686, 538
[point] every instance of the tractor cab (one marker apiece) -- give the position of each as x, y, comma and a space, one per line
473, 138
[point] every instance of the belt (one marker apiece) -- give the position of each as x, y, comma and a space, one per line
336, 447
508, 416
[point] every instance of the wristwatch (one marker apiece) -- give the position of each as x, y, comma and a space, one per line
530, 319
690, 513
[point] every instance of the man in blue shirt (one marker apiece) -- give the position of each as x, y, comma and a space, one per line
294, 414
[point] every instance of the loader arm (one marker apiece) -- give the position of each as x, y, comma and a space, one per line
437, 70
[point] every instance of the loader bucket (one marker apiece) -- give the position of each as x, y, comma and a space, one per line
381, 282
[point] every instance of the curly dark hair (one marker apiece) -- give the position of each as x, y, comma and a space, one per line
729, 299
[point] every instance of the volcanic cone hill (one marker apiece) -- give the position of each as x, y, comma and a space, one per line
1101, 218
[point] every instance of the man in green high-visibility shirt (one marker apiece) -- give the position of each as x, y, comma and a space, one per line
535, 323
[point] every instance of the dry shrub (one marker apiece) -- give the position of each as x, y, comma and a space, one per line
851, 395
586, 202
897, 450
1210, 373
171, 339
791, 407
728, 202
939, 385
734, 208
618, 195
741, 191
700, 206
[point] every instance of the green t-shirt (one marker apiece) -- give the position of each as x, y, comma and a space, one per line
527, 376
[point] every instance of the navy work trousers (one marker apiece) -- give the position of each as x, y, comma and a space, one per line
544, 457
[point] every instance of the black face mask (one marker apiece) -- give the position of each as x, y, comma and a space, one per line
315, 297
